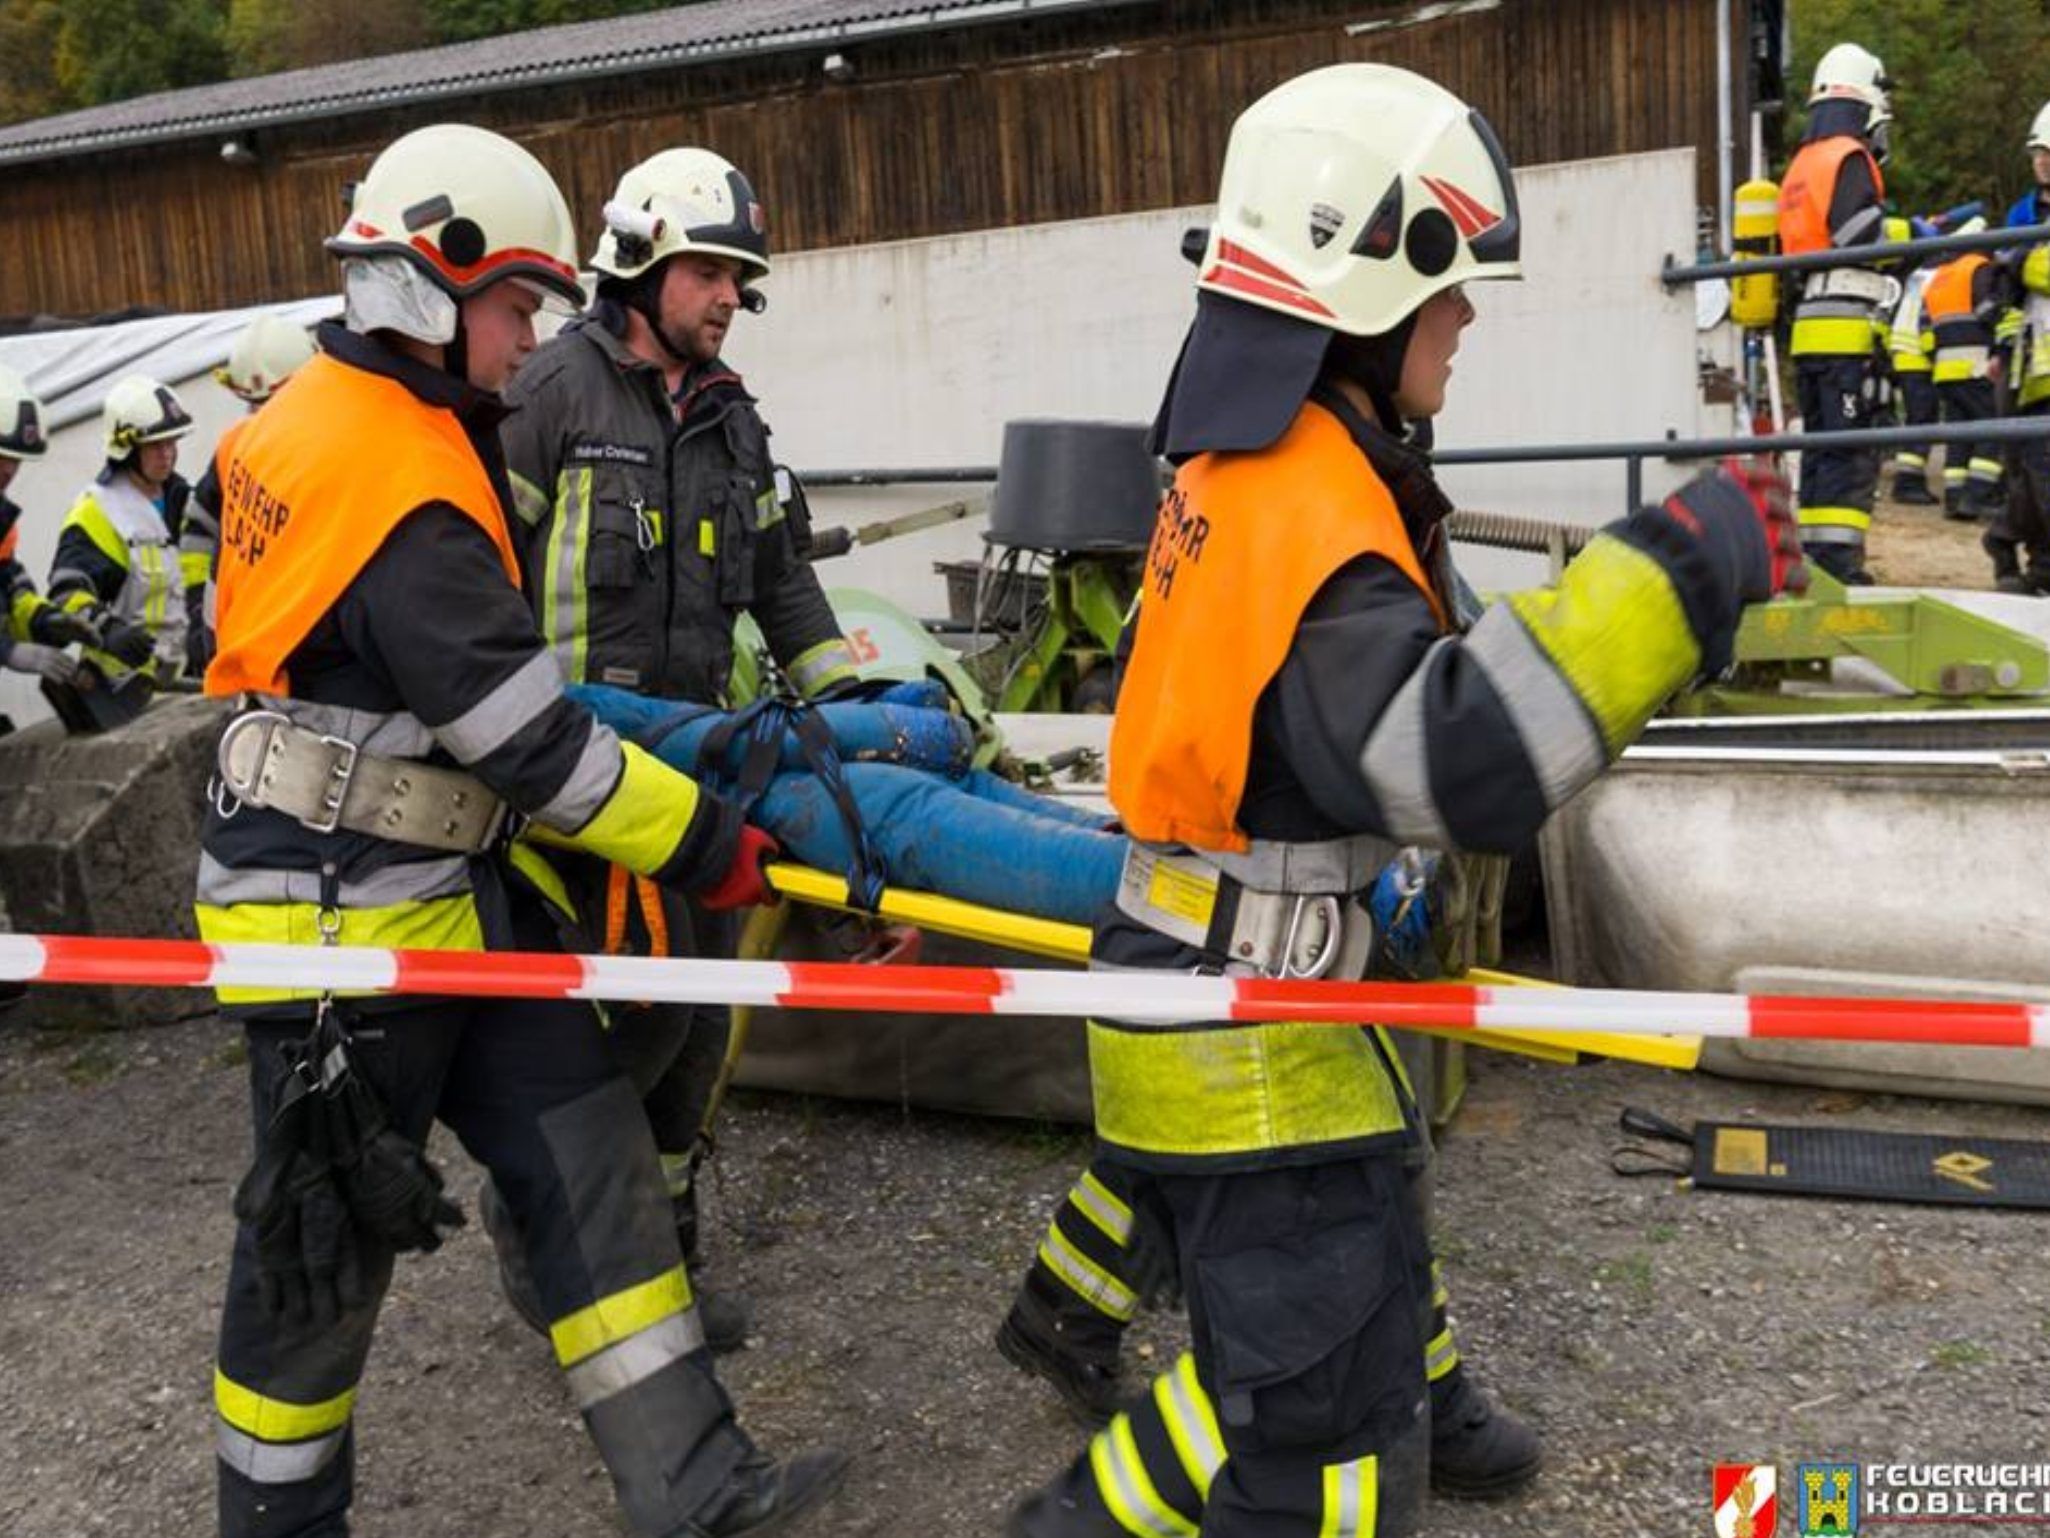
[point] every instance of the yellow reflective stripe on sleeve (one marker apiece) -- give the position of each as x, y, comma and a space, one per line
23, 610
1090, 1282
1834, 518
1614, 628
530, 502
90, 518
1191, 1422
1122, 1481
194, 566
1238, 1088
1101, 1206
438, 924
1836, 335
822, 666
645, 817
534, 865
278, 1420
614, 1318
1352, 1499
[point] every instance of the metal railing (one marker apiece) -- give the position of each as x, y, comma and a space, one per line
1675, 274
1633, 452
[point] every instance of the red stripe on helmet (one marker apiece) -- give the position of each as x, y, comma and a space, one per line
496, 264
1236, 254
1259, 288
1471, 215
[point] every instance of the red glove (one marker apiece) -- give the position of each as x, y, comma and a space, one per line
746, 881
1743, 516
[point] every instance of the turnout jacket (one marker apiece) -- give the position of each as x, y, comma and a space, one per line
1833, 196
24, 605
117, 557
1377, 724
374, 599
648, 527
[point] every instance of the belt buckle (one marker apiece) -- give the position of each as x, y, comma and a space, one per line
339, 775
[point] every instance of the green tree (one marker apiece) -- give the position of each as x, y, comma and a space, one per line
109, 50
1967, 79
266, 36
28, 60
455, 21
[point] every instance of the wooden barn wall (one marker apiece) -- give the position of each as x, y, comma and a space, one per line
1056, 119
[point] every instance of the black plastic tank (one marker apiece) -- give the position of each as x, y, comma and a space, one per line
1074, 486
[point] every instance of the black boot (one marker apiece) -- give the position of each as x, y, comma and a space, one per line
1955, 506
1479, 1451
2007, 566
1911, 490
766, 1494
1034, 1338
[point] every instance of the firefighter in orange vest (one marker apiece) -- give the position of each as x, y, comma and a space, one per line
397, 714
1960, 308
1831, 198
1303, 693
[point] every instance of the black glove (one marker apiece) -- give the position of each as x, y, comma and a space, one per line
1742, 517
133, 644
396, 1194
59, 627
307, 1266
392, 1189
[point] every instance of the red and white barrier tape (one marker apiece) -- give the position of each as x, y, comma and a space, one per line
1141, 997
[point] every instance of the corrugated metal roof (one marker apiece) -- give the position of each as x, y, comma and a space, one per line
682, 35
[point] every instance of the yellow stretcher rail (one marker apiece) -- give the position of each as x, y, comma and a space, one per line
1070, 942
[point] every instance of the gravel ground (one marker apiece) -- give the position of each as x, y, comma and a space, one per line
1648, 1330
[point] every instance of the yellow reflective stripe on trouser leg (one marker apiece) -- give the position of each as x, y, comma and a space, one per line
1126, 1488
612, 1319
1352, 1498
1089, 1280
1441, 1351
1191, 1422
1102, 1206
274, 1441
1825, 517
645, 818
1614, 629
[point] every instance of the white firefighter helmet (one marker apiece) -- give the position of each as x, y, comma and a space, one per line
139, 410
469, 208
1850, 73
683, 200
21, 419
1352, 194
263, 357
1976, 225
2039, 130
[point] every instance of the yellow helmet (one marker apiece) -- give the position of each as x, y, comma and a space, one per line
263, 357
469, 208
21, 419
139, 410
683, 200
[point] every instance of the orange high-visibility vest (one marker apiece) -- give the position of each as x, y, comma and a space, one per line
1949, 294
1241, 544
1810, 185
311, 487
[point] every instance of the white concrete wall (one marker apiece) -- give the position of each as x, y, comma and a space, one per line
917, 352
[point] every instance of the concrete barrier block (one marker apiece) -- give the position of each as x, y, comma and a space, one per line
100, 836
